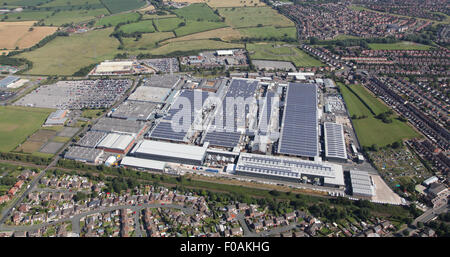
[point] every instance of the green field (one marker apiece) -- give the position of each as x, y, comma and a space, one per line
116, 19
117, 6
279, 52
197, 11
148, 41
168, 24
371, 130
193, 45
399, 46
145, 26
56, 19
254, 16
66, 55
17, 123
269, 32
198, 26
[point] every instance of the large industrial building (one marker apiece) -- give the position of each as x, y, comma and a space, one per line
139, 163
150, 94
290, 169
109, 125
362, 184
116, 143
169, 152
335, 149
133, 110
83, 154
299, 128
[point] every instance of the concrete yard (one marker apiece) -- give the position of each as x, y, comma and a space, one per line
383, 193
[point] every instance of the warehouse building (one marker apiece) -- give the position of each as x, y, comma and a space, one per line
362, 184
91, 139
107, 67
169, 152
132, 162
290, 169
133, 110
116, 143
56, 118
335, 149
150, 94
110, 125
84, 154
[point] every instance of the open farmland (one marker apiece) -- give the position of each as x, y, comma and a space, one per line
116, 19
225, 34
198, 26
399, 46
145, 26
168, 24
371, 130
193, 45
279, 52
197, 11
226, 3
269, 32
254, 16
66, 55
147, 42
22, 34
17, 123
117, 6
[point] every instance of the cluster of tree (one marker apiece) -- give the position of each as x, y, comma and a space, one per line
385, 116
25, 158
84, 70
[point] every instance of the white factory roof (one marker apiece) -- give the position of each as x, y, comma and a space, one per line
114, 66
361, 183
159, 148
290, 167
116, 141
224, 52
143, 163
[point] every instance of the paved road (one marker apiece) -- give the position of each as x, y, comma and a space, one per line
430, 214
137, 224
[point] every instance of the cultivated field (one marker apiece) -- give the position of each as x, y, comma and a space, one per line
117, 6
226, 3
147, 42
225, 34
17, 123
168, 24
197, 11
269, 32
66, 55
371, 130
145, 26
254, 16
198, 26
193, 45
279, 52
116, 19
18, 34
399, 46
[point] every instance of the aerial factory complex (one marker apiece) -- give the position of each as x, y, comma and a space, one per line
224, 118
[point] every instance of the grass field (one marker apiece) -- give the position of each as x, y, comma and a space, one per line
168, 24
226, 3
147, 42
225, 34
66, 55
278, 52
374, 104
117, 6
145, 26
18, 34
197, 26
193, 45
399, 46
57, 18
197, 11
17, 123
269, 32
254, 16
371, 130
116, 19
